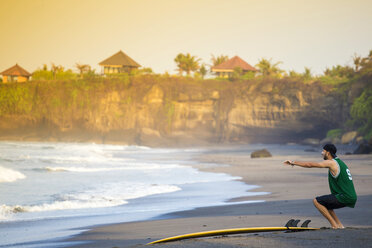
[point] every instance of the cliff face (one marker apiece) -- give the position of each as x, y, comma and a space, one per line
167, 111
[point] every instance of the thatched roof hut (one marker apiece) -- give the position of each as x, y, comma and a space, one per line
118, 63
15, 74
226, 68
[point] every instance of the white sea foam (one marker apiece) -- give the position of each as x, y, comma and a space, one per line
8, 175
138, 166
76, 169
109, 195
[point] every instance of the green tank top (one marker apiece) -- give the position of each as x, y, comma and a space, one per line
342, 185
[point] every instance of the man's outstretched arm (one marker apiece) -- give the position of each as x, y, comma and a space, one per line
324, 164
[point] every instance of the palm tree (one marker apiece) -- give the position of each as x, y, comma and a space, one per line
60, 68
192, 63
357, 62
54, 69
366, 64
203, 71
82, 68
180, 61
219, 59
187, 63
268, 69
307, 74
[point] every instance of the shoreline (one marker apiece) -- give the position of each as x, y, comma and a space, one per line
283, 202
138, 234
73, 226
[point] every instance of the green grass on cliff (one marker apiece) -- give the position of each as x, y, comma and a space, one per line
47, 98
37, 98
60, 100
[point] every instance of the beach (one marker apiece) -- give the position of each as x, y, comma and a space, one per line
291, 193
52, 191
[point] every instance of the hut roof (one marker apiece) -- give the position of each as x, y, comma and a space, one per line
233, 63
16, 70
120, 58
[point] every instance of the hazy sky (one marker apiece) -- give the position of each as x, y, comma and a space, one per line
312, 33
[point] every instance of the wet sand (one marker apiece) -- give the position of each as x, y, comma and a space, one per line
292, 191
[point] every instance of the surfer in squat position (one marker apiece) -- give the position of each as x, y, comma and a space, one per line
340, 183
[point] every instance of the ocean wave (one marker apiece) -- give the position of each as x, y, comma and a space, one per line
135, 148
8, 175
109, 195
134, 166
71, 159
61, 205
74, 169
48, 148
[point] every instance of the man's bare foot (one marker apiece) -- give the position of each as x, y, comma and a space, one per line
338, 227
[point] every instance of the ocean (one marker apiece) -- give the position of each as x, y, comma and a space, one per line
51, 191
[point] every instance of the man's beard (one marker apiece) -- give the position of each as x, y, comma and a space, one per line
325, 157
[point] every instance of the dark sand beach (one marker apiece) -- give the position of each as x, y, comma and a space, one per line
292, 191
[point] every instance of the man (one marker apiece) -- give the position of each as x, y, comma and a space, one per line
340, 183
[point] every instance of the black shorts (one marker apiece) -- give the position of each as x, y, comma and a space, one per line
329, 201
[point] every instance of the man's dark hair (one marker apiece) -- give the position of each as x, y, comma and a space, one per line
331, 148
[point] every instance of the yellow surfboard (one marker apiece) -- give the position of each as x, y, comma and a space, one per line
230, 231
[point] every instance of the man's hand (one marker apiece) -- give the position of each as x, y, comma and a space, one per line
288, 162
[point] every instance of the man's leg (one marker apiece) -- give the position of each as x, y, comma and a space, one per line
324, 211
334, 216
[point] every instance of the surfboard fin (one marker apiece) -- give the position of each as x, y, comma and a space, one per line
292, 223
306, 223
295, 223
289, 223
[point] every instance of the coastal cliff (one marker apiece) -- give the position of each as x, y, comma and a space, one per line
158, 111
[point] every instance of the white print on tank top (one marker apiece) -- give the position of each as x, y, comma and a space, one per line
349, 174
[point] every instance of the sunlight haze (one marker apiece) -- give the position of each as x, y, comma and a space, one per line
315, 34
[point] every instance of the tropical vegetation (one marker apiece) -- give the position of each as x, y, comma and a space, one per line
351, 83
186, 63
